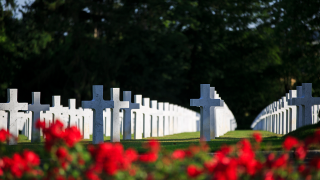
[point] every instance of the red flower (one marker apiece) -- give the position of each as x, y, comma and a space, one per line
4, 135
149, 157
301, 152
61, 152
40, 124
31, 157
153, 145
225, 149
268, 176
91, 175
257, 136
64, 165
290, 142
178, 154
131, 154
301, 168
110, 167
17, 166
72, 136
193, 171
210, 165
281, 161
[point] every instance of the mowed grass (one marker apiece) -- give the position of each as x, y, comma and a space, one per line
169, 143
271, 141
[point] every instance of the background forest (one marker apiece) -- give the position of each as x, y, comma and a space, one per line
252, 51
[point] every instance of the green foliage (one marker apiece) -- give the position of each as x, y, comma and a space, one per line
305, 131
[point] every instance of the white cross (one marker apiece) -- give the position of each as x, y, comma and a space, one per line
127, 114
307, 101
72, 112
166, 115
12, 107
293, 110
299, 107
154, 118
139, 118
87, 115
97, 104
59, 112
115, 119
36, 108
205, 102
146, 117
161, 118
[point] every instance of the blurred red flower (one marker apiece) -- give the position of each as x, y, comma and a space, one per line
178, 154
290, 142
148, 157
257, 136
301, 152
153, 145
31, 158
193, 171
4, 135
61, 152
72, 135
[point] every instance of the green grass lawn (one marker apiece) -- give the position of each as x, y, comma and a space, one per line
181, 141
170, 143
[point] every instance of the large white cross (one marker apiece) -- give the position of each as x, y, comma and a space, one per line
307, 101
115, 118
205, 103
97, 104
12, 107
127, 114
36, 108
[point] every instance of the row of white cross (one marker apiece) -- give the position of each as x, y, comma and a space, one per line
216, 117
143, 118
298, 108
99, 117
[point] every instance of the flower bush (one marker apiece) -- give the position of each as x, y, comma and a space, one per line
71, 161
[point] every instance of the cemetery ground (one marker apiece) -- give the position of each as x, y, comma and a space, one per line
271, 141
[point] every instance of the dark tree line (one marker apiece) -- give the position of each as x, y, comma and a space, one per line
162, 49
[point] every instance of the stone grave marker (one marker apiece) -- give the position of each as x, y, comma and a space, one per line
73, 113
115, 116
12, 107
161, 119
139, 118
36, 108
166, 119
146, 117
154, 118
97, 104
127, 114
59, 112
306, 101
205, 103
292, 111
3, 120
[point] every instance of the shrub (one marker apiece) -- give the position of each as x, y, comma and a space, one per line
69, 160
